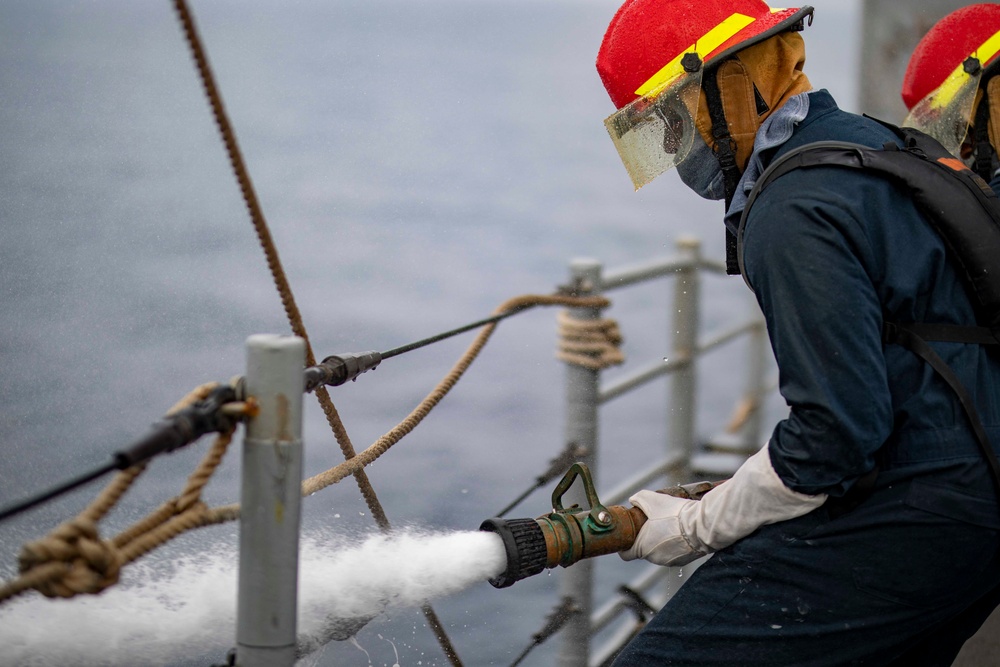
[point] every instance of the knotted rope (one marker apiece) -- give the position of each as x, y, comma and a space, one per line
73, 559
593, 344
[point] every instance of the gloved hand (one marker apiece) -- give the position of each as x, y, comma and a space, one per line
679, 531
662, 539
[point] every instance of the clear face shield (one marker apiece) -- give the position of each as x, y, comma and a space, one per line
656, 131
946, 113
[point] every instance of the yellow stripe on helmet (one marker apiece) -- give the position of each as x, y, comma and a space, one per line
712, 40
947, 91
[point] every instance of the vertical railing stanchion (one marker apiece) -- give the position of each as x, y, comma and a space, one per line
682, 409
757, 355
582, 387
584, 396
270, 504
681, 406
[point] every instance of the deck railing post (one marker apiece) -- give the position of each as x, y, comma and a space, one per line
270, 504
582, 400
681, 406
757, 356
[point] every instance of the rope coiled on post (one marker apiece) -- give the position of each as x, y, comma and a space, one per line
593, 344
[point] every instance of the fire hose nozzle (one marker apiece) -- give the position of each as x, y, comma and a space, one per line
566, 536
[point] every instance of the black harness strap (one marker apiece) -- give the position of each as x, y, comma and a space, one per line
948, 333
907, 336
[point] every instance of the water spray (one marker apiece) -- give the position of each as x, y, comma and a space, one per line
568, 535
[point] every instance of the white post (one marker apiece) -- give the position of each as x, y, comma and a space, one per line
582, 401
683, 384
270, 504
757, 356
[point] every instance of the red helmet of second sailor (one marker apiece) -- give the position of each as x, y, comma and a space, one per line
950, 85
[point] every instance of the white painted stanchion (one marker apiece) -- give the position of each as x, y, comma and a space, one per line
270, 504
582, 400
686, 320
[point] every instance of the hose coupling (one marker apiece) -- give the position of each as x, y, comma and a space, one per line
337, 369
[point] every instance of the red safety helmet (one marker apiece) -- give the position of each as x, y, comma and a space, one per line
646, 36
651, 61
942, 78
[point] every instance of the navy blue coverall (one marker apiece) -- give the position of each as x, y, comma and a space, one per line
909, 574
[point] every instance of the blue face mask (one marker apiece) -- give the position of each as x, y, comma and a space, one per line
701, 171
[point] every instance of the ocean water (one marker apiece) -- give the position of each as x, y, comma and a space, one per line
419, 163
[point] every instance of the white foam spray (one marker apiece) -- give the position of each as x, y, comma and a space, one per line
164, 613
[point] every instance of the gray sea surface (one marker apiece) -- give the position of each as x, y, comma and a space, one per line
418, 163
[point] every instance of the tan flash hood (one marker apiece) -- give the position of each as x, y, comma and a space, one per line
752, 84
993, 91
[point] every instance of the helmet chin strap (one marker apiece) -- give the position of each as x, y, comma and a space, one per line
724, 148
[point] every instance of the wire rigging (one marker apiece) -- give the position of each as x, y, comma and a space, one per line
337, 369
174, 431
183, 427
454, 332
56, 491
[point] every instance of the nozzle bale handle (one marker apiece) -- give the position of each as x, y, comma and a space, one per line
598, 513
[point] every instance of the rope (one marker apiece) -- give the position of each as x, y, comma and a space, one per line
295, 317
337, 473
73, 559
384, 443
271, 252
284, 288
593, 344
745, 408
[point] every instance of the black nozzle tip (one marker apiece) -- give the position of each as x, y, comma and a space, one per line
524, 545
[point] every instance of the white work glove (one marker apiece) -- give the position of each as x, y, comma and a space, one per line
679, 531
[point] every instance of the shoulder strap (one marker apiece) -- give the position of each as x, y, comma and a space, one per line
821, 153
946, 333
907, 336
958, 204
